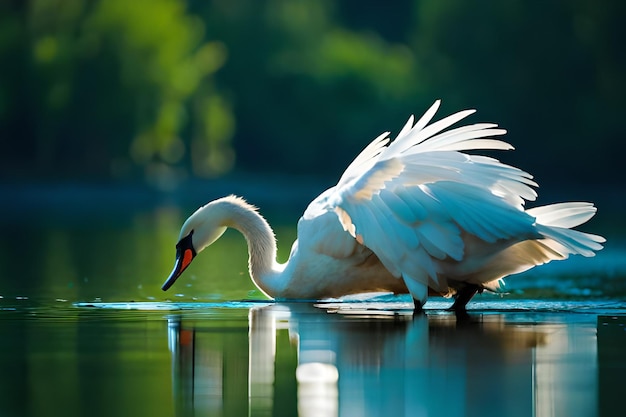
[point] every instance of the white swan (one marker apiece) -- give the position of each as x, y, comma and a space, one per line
407, 216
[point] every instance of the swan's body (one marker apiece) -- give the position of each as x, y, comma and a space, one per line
409, 216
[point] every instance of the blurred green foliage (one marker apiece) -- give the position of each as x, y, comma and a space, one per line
161, 90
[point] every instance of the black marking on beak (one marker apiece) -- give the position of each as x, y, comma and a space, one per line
185, 253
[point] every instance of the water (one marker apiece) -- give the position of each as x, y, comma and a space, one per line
86, 330
362, 358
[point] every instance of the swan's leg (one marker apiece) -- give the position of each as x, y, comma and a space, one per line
418, 307
464, 295
418, 291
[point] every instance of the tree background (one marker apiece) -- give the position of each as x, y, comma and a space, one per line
163, 91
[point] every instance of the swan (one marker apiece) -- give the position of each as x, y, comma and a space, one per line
415, 215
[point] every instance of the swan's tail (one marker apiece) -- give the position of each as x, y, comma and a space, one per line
555, 223
558, 241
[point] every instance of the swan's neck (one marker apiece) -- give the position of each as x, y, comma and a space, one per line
265, 271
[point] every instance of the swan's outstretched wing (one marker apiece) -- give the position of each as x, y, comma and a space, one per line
415, 200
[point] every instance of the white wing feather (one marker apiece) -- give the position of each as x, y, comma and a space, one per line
414, 200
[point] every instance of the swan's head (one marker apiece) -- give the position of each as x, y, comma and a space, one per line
201, 229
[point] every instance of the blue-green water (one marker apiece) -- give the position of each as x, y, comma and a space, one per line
360, 358
86, 330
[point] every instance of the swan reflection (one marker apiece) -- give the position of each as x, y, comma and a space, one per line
299, 359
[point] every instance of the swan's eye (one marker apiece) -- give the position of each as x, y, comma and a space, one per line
186, 243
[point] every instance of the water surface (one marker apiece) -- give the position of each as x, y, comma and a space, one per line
361, 358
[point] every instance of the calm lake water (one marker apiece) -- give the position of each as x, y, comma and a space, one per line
86, 330
519, 358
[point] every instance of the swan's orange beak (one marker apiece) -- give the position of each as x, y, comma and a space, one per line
185, 253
